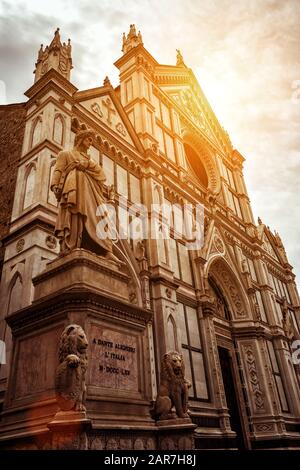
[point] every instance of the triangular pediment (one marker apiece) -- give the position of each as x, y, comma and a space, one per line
269, 247
214, 243
102, 104
176, 83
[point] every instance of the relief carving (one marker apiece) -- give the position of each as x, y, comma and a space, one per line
258, 394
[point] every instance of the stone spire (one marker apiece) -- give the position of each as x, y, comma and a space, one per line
132, 39
55, 56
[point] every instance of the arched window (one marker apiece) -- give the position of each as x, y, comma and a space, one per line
30, 175
58, 129
195, 164
36, 132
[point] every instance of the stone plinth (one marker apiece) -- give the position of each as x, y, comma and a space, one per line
69, 431
176, 434
82, 269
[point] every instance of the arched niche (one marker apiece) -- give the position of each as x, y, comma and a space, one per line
229, 288
58, 129
36, 132
15, 293
172, 334
30, 177
201, 160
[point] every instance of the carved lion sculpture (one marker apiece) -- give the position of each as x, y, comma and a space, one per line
70, 374
173, 388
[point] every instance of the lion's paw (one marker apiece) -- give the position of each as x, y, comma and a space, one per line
73, 360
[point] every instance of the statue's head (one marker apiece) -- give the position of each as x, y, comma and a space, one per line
72, 341
173, 365
85, 137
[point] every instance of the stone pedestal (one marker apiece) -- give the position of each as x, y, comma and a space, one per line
79, 270
69, 431
175, 434
84, 289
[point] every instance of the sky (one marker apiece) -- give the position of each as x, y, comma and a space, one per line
245, 56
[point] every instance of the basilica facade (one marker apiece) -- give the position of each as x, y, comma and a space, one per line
229, 306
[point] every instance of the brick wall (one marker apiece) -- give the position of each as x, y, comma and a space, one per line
12, 126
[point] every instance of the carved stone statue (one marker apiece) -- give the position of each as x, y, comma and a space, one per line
179, 59
70, 374
287, 321
77, 183
173, 388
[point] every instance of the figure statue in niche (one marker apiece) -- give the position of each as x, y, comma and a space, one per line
77, 183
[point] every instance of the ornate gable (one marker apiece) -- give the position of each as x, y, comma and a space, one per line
187, 100
268, 246
180, 84
103, 105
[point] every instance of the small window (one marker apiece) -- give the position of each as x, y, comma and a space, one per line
128, 90
160, 138
157, 107
192, 352
135, 189
277, 377
185, 265
122, 181
165, 115
170, 147
108, 168
149, 121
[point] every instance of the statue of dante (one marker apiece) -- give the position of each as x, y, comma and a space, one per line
77, 184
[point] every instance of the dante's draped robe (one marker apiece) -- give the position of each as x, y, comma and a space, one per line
81, 194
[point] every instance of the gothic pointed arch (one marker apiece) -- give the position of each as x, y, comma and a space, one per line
59, 129
222, 308
35, 132
201, 161
172, 332
15, 293
225, 284
29, 186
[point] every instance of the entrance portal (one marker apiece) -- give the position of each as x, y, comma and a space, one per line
231, 396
